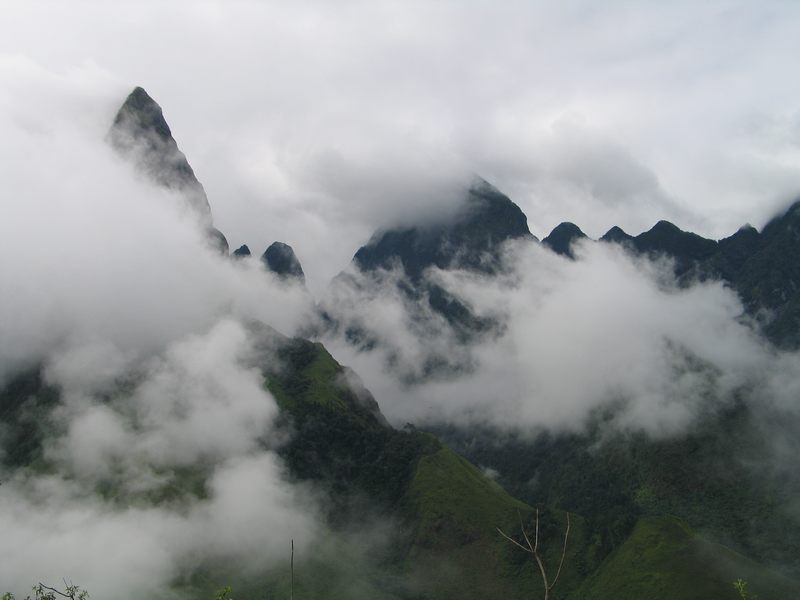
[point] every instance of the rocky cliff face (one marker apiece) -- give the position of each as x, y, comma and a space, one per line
563, 237
141, 134
241, 252
471, 240
281, 260
761, 266
764, 270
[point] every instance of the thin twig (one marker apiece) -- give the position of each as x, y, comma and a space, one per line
512, 540
547, 587
524, 533
59, 592
291, 593
534, 549
563, 554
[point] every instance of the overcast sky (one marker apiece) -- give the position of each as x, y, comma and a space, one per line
314, 123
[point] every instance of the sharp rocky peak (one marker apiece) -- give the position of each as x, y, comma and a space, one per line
617, 235
140, 132
281, 260
242, 251
471, 239
563, 237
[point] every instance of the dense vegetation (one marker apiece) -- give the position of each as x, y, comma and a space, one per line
718, 478
445, 511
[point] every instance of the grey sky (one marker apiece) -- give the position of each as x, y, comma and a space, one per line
315, 122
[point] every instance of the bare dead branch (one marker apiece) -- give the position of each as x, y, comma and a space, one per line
547, 587
563, 554
512, 540
291, 592
534, 549
524, 533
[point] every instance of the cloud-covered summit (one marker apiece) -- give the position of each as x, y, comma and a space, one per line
329, 122
140, 132
471, 236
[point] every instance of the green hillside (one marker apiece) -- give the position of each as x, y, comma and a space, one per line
663, 558
457, 551
446, 510
408, 518
718, 478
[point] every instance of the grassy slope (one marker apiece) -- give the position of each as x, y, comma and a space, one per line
311, 381
663, 558
457, 551
718, 478
448, 509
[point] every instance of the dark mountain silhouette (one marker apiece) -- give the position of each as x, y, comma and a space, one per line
241, 252
765, 271
281, 260
141, 134
684, 247
616, 234
562, 237
473, 239
761, 267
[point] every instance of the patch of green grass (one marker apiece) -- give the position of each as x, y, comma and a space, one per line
457, 551
445, 485
663, 558
309, 380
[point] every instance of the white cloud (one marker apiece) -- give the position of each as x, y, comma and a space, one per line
111, 285
314, 124
577, 336
195, 412
90, 250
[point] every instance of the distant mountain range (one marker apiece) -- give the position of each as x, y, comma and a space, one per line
677, 518
760, 266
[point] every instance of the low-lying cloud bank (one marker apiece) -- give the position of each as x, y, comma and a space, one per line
605, 330
142, 489
161, 459
90, 250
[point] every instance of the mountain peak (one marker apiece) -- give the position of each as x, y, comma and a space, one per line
686, 248
666, 227
140, 132
563, 237
780, 222
668, 237
242, 251
141, 111
281, 260
616, 235
472, 239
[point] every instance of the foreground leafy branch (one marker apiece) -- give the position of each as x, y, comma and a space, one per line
45, 592
741, 587
534, 550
